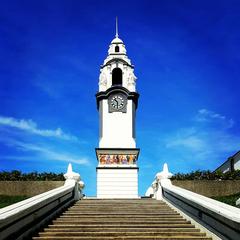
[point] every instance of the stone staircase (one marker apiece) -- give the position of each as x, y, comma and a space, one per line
133, 219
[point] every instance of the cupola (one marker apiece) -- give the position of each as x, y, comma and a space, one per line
117, 68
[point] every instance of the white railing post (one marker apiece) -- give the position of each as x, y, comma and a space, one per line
162, 178
165, 176
238, 203
73, 178
81, 187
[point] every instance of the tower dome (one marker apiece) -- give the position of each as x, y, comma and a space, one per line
117, 68
117, 47
117, 40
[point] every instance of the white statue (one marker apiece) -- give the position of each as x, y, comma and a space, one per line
102, 80
131, 79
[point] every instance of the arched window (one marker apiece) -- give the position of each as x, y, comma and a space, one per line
116, 76
117, 49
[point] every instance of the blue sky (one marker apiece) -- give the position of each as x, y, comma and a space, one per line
186, 57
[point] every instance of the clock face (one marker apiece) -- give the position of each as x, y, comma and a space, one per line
117, 102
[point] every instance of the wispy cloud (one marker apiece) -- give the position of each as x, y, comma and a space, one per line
187, 138
203, 140
44, 152
32, 127
205, 115
204, 144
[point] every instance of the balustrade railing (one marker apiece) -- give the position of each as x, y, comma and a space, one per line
219, 218
22, 219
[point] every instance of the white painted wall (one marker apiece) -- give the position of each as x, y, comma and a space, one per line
117, 128
237, 164
225, 167
117, 183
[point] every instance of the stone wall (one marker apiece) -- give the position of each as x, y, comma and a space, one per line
204, 187
27, 188
210, 188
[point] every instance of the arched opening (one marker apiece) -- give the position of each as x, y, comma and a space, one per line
117, 49
116, 76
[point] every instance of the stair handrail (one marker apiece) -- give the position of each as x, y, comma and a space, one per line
31, 202
221, 218
21, 219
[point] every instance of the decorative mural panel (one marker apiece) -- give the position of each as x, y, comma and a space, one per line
119, 159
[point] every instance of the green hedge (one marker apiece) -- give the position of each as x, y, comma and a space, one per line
207, 175
16, 175
230, 199
8, 200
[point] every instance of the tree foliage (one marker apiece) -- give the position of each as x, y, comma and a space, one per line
207, 175
16, 175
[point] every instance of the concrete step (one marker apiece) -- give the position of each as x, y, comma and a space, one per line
123, 210
128, 208
122, 213
120, 207
83, 216
115, 200
156, 237
136, 214
120, 221
93, 215
53, 228
118, 234
124, 225
120, 204
115, 209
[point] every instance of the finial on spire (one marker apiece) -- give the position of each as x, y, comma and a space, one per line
116, 27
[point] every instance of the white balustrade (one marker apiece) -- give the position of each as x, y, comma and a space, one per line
220, 218
21, 219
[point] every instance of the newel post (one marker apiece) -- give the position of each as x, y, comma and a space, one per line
73, 178
162, 179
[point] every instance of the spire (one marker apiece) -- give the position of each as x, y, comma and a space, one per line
116, 27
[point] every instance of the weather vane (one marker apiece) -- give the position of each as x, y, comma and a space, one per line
116, 27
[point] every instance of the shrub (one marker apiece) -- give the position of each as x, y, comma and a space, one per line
16, 175
8, 200
207, 175
230, 199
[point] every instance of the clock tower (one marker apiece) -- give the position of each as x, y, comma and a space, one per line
117, 101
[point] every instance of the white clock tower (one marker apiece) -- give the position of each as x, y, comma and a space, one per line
117, 100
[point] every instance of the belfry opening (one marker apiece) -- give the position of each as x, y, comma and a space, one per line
117, 49
116, 77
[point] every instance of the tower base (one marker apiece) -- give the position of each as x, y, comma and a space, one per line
120, 182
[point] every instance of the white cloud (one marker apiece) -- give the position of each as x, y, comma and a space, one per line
191, 142
203, 140
205, 115
31, 127
46, 153
204, 144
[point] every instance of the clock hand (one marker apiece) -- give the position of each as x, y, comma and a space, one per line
119, 102
116, 102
